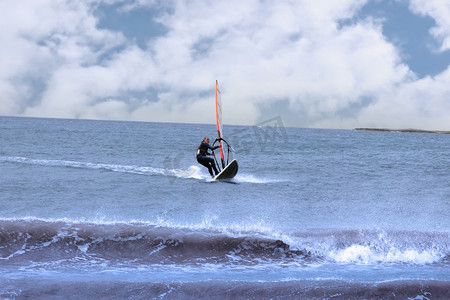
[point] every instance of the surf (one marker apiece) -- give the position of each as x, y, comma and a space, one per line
164, 243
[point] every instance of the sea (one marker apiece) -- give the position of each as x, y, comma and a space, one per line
122, 210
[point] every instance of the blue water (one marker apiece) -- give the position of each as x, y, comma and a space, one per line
126, 204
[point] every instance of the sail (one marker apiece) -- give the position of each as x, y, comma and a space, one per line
228, 166
219, 121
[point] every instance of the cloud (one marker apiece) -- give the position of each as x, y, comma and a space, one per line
440, 12
289, 51
43, 42
297, 59
420, 103
279, 51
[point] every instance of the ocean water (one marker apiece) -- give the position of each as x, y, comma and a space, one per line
106, 209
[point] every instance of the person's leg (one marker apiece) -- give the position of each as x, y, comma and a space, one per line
213, 165
205, 161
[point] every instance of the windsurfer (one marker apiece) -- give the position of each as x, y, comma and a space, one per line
204, 158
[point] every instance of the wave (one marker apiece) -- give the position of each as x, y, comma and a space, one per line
372, 247
41, 241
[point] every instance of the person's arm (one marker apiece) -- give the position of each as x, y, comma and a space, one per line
211, 147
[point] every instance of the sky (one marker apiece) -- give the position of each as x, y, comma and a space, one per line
316, 64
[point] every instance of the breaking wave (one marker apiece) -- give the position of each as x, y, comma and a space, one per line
41, 241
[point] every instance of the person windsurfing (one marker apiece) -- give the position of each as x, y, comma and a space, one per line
204, 158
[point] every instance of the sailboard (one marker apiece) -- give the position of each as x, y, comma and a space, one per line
227, 166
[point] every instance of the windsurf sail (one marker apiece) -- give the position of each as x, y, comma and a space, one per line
219, 123
228, 167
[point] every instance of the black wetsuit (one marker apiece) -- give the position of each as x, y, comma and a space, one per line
204, 158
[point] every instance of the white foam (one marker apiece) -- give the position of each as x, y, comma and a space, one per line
249, 178
192, 172
85, 165
363, 254
212, 223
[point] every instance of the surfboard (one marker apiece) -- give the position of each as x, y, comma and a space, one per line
227, 169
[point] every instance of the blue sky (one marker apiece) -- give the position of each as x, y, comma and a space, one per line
324, 63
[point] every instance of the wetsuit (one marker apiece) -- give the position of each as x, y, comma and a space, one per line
204, 158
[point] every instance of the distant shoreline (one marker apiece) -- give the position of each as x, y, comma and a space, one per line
404, 130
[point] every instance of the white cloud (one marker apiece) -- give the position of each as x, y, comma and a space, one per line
421, 103
76, 90
41, 41
59, 63
440, 11
287, 50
